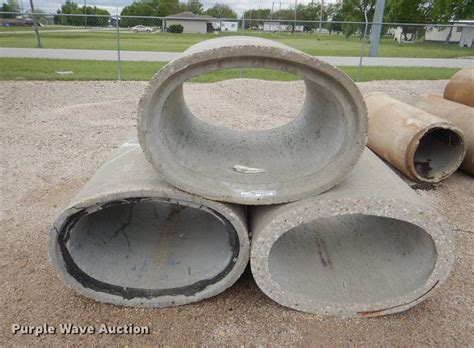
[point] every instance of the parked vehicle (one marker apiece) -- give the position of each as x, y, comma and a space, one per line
141, 29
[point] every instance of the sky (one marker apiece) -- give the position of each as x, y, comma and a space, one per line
111, 5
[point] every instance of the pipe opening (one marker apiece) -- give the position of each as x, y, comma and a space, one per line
353, 259
438, 154
319, 131
268, 165
148, 248
264, 106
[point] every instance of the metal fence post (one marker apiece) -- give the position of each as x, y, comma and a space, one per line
362, 47
376, 28
119, 63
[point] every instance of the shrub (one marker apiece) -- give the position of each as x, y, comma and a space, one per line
176, 28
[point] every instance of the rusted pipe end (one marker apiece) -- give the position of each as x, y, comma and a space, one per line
419, 144
436, 152
460, 115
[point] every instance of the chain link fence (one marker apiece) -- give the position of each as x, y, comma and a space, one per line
162, 34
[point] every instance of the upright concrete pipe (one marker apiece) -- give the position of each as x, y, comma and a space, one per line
130, 239
302, 158
422, 146
368, 247
460, 115
460, 88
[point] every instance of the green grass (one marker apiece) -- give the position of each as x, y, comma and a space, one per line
43, 28
45, 69
329, 45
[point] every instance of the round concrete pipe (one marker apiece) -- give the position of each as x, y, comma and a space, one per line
460, 88
368, 247
422, 146
460, 115
130, 239
307, 156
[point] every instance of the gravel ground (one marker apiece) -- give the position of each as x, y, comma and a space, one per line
54, 135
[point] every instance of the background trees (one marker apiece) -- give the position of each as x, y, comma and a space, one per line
221, 11
71, 7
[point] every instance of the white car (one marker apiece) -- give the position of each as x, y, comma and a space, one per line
141, 29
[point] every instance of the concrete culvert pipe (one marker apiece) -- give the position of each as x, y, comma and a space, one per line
460, 88
422, 146
307, 156
130, 239
460, 115
368, 247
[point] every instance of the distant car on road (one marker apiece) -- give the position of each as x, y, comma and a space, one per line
141, 29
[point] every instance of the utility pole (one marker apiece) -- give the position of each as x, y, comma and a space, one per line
294, 24
35, 25
321, 17
279, 18
271, 15
85, 15
376, 28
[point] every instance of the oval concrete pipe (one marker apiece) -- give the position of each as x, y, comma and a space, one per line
130, 239
300, 159
422, 146
460, 88
368, 247
460, 115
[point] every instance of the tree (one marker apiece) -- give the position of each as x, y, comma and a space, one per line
138, 9
169, 7
221, 11
445, 11
6, 8
406, 11
449, 11
70, 7
354, 10
14, 6
195, 6
258, 14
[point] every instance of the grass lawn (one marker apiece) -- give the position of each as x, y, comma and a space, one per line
329, 45
43, 28
45, 69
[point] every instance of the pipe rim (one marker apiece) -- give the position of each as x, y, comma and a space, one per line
238, 264
455, 162
416, 214
164, 83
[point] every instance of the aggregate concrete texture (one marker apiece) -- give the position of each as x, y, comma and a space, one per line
51, 148
256, 167
128, 238
368, 247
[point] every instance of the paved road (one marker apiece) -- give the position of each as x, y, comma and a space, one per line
148, 56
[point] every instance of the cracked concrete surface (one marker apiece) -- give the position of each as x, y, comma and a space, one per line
51, 147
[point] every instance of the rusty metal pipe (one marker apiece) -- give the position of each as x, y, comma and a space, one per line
460, 115
368, 247
420, 145
460, 88
130, 239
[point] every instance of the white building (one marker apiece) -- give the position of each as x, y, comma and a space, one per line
462, 32
278, 27
192, 23
228, 26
